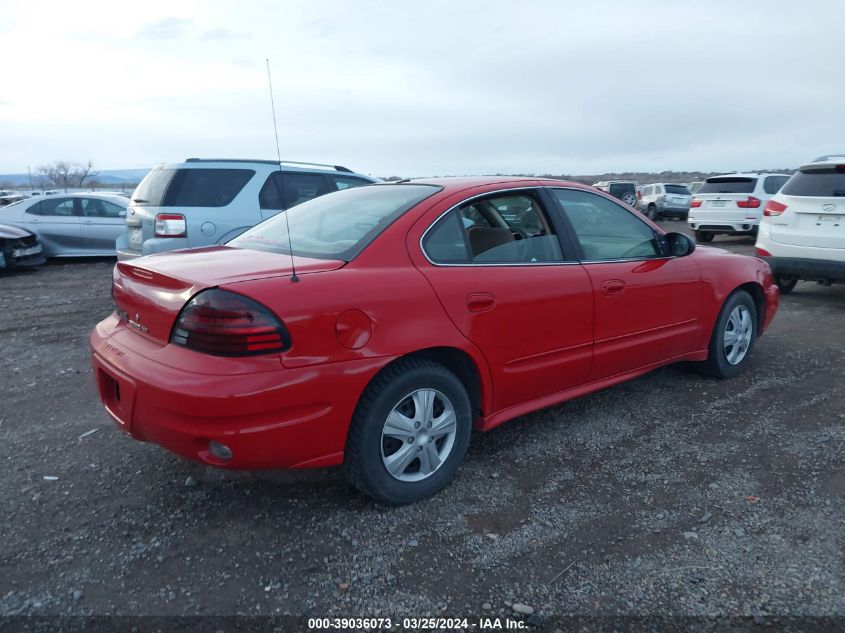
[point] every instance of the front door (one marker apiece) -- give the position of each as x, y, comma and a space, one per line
647, 305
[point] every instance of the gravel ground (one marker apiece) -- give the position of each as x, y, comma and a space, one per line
669, 495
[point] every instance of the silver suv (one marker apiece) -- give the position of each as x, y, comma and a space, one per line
207, 201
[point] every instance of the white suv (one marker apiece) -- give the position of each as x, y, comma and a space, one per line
207, 201
664, 198
732, 204
802, 235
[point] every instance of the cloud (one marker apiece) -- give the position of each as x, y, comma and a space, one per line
222, 35
167, 29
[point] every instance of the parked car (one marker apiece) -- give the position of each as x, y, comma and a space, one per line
732, 204
802, 234
18, 248
71, 225
202, 202
392, 318
624, 190
664, 198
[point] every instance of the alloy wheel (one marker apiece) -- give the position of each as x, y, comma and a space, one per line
738, 332
418, 435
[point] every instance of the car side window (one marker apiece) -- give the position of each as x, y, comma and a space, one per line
502, 229
345, 182
773, 184
62, 207
96, 208
285, 190
605, 230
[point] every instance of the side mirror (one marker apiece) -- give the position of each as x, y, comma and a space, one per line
678, 244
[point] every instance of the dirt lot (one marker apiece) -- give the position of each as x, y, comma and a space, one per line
671, 495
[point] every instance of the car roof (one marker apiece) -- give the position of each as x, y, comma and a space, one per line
456, 184
287, 165
749, 174
823, 161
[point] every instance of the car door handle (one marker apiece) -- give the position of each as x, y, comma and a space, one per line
480, 301
612, 286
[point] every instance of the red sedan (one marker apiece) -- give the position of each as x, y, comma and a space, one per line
416, 311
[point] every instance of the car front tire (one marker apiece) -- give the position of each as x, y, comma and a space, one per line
409, 433
704, 236
733, 337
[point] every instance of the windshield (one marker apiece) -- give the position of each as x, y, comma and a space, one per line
728, 184
677, 189
338, 225
829, 182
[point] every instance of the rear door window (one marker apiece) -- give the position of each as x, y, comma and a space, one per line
728, 184
510, 228
827, 183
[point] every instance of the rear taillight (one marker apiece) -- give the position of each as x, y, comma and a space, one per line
774, 208
761, 252
695, 202
749, 203
224, 323
171, 225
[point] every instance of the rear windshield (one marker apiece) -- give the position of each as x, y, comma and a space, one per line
338, 225
621, 188
828, 183
728, 184
191, 187
678, 189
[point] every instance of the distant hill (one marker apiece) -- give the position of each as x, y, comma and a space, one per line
109, 177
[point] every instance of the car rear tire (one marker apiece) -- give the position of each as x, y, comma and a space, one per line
704, 236
652, 213
409, 433
733, 337
786, 283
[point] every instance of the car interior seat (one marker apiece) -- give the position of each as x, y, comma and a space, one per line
483, 238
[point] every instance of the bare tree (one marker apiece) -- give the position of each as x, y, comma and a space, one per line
64, 174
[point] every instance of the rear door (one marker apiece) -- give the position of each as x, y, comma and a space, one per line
815, 209
55, 220
647, 306
499, 270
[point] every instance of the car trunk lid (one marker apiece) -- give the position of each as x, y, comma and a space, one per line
810, 221
150, 292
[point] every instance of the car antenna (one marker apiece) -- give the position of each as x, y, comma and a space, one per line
293, 277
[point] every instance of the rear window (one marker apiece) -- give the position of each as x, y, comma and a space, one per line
191, 187
728, 184
827, 183
621, 188
335, 226
678, 189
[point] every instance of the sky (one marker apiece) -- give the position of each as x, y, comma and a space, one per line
424, 88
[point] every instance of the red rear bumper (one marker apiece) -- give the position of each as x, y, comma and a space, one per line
282, 418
